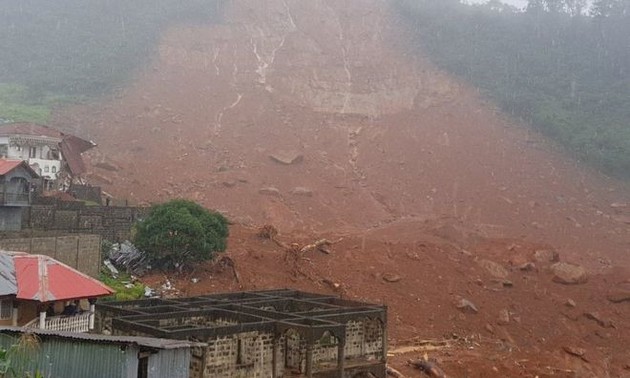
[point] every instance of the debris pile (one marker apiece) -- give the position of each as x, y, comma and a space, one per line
126, 256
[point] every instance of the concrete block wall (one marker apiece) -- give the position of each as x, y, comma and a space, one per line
112, 223
248, 354
80, 251
364, 339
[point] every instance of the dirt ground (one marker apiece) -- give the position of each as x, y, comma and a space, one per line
316, 117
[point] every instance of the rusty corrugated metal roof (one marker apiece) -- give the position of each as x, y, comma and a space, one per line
8, 283
150, 342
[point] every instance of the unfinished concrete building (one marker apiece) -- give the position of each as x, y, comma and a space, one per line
280, 333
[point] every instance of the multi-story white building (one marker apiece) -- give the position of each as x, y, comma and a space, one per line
48, 151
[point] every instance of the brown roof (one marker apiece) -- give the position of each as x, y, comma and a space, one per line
25, 128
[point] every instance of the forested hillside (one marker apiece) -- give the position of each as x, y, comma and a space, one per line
558, 65
54, 50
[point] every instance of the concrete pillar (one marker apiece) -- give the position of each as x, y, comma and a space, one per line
15, 314
42, 320
309, 360
341, 357
384, 325
274, 358
92, 313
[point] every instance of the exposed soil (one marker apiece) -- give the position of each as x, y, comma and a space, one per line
315, 117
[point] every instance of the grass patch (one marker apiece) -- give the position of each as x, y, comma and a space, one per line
125, 289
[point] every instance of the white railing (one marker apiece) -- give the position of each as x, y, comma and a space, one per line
70, 323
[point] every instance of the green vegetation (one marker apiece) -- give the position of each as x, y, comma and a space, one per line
71, 50
16, 362
180, 232
562, 69
126, 290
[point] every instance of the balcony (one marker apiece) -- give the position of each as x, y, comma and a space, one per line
66, 323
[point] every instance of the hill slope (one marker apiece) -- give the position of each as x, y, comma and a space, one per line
313, 117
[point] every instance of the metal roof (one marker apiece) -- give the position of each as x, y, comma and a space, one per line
8, 283
149, 342
44, 279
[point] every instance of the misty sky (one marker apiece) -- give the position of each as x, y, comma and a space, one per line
516, 3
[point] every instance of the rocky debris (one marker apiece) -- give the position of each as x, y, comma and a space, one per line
577, 352
466, 306
621, 218
604, 323
504, 317
546, 256
108, 166
100, 178
126, 255
618, 205
569, 274
269, 191
494, 269
527, 267
428, 367
619, 295
301, 191
229, 183
391, 278
286, 157
570, 303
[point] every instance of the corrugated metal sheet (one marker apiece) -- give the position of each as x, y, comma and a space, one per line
58, 358
172, 363
8, 282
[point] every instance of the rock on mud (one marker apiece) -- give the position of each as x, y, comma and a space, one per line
546, 256
569, 274
466, 306
301, 191
270, 191
494, 269
287, 157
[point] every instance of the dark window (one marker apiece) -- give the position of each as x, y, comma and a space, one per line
32, 152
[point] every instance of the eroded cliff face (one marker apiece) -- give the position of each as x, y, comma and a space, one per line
382, 136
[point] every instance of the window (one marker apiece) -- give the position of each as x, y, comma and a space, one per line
46, 169
4, 150
6, 309
53, 169
32, 152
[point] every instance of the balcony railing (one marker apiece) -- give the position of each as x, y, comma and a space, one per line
70, 323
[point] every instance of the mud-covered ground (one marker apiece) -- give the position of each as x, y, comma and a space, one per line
317, 117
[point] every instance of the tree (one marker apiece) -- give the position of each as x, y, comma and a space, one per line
180, 232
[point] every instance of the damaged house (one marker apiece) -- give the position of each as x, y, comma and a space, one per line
280, 333
52, 154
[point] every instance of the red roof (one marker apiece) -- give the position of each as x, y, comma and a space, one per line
44, 279
7, 166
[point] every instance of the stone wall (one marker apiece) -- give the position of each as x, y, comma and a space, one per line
112, 223
80, 251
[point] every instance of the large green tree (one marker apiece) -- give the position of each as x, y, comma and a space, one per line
181, 232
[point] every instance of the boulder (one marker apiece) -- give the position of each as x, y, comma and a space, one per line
269, 191
286, 157
494, 269
301, 191
569, 274
466, 306
546, 256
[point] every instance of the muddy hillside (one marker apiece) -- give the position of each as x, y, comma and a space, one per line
315, 117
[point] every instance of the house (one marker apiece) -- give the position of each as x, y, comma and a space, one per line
50, 152
38, 291
64, 354
277, 333
17, 179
